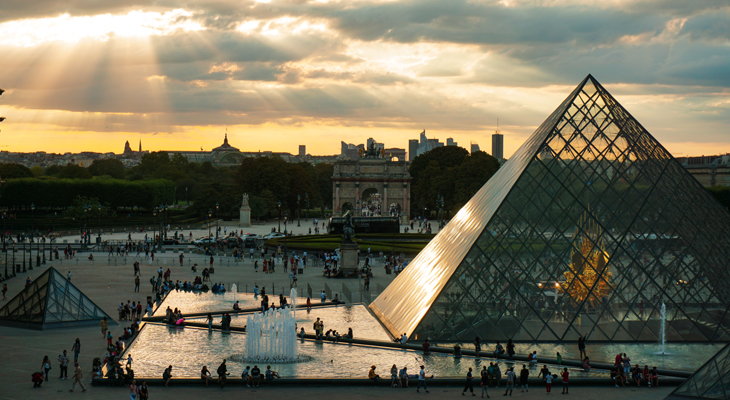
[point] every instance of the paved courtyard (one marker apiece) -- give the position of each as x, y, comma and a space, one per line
108, 284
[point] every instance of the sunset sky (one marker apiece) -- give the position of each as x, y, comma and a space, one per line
89, 74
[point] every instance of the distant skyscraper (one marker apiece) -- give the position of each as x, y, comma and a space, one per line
412, 149
450, 142
302, 150
498, 146
140, 145
474, 147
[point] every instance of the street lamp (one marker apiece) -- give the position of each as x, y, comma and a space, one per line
216, 221
210, 214
98, 207
299, 211
306, 205
278, 205
32, 237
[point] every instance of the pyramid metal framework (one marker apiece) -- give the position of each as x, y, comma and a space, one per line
711, 381
591, 229
51, 301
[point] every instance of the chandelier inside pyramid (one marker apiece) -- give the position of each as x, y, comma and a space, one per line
590, 229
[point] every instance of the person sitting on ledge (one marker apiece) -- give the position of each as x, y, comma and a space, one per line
205, 375
256, 375
246, 375
372, 375
271, 374
586, 364
236, 306
337, 300
167, 375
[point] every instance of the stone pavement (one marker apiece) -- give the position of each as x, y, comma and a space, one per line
108, 284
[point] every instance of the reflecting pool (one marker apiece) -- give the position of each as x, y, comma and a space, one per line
188, 349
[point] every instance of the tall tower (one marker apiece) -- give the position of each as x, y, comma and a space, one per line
140, 145
498, 144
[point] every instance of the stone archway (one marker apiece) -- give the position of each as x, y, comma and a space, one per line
356, 182
371, 202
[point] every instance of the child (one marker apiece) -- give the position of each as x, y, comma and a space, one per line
109, 338
129, 361
548, 382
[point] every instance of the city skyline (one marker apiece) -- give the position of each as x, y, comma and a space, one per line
277, 74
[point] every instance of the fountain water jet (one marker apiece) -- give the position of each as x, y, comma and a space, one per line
271, 336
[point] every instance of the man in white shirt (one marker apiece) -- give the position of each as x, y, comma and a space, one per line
403, 339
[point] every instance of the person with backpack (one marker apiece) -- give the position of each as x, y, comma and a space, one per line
222, 372
485, 381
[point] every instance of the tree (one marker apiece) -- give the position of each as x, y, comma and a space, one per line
14, 171
449, 172
109, 166
73, 171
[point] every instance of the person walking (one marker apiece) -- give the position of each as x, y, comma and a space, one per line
222, 374
133, 390
63, 360
510, 375
144, 392
77, 376
485, 381
5, 290
136, 283
581, 348
469, 385
76, 349
422, 380
46, 366
104, 325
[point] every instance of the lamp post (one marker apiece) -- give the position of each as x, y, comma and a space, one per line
5, 249
217, 228
32, 239
306, 206
285, 235
278, 205
154, 228
299, 211
98, 207
210, 214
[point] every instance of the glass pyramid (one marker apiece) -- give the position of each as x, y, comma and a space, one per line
591, 228
711, 381
51, 301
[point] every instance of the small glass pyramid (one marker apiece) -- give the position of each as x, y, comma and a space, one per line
591, 229
51, 301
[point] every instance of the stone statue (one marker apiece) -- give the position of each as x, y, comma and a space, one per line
245, 212
348, 229
372, 152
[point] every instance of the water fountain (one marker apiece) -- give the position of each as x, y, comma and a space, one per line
271, 336
234, 290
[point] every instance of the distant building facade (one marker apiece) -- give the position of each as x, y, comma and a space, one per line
709, 170
474, 147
